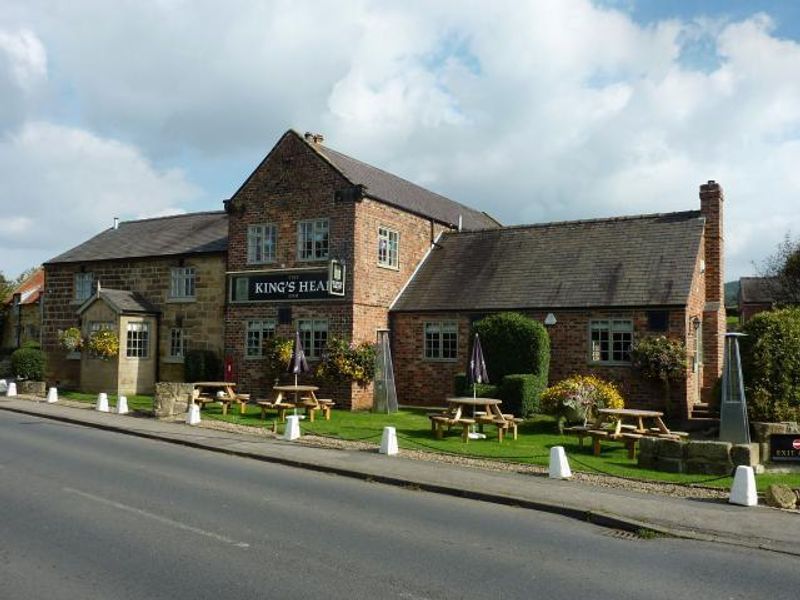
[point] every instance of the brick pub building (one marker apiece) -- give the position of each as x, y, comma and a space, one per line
321, 243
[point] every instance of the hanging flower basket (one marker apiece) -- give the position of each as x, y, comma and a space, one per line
70, 339
103, 344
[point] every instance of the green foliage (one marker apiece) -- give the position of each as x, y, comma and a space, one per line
29, 362
659, 358
771, 365
462, 387
343, 362
520, 393
202, 365
577, 399
513, 343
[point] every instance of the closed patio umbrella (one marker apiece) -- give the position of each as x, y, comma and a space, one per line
477, 366
298, 363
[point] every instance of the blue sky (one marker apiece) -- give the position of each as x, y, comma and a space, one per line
533, 111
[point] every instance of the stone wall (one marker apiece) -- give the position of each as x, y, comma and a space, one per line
201, 318
171, 399
696, 457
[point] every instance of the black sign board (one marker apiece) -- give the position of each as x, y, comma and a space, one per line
784, 447
272, 286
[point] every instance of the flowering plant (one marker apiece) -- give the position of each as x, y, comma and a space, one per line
347, 362
578, 398
103, 344
660, 359
70, 339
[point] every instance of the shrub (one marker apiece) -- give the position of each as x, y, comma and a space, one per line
660, 359
577, 399
513, 343
462, 387
103, 344
520, 393
202, 365
28, 362
771, 365
343, 362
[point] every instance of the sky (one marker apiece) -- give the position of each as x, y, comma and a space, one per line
532, 111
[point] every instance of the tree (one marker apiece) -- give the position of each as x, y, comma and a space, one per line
6, 287
783, 270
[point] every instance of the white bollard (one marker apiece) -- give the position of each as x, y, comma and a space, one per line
122, 405
389, 441
193, 414
559, 467
102, 402
12, 389
292, 431
743, 490
52, 395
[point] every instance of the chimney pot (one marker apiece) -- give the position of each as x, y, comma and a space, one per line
116, 222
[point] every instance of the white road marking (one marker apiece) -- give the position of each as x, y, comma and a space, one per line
159, 518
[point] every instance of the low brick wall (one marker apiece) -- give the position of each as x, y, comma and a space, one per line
171, 399
696, 457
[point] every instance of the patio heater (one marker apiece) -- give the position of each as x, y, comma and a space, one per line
733, 423
384, 391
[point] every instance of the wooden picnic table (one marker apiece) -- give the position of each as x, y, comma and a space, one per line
484, 411
614, 424
308, 400
205, 392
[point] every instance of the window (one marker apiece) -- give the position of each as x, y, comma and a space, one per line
83, 286
313, 335
182, 282
441, 340
657, 320
261, 242
388, 247
611, 341
138, 340
312, 239
177, 343
258, 332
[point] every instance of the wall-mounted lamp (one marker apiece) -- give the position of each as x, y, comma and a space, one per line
550, 319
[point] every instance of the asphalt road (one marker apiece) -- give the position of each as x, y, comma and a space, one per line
91, 514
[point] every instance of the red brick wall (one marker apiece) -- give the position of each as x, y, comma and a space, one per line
714, 322
294, 183
423, 382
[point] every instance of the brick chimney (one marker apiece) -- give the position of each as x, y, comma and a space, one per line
711, 200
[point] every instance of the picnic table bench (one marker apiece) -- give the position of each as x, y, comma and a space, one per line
610, 425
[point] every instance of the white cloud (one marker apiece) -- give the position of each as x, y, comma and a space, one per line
63, 185
533, 111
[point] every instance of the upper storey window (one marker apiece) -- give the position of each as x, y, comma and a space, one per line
261, 243
83, 286
388, 247
312, 239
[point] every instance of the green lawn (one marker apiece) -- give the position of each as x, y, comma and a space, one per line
135, 403
536, 437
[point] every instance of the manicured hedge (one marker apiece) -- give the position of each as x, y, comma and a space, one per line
513, 343
771, 365
520, 393
202, 365
29, 362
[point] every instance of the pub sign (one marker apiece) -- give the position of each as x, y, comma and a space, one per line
282, 285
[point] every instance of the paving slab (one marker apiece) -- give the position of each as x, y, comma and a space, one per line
712, 520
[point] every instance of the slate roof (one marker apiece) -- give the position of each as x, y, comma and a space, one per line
399, 192
758, 290
192, 233
122, 301
640, 261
